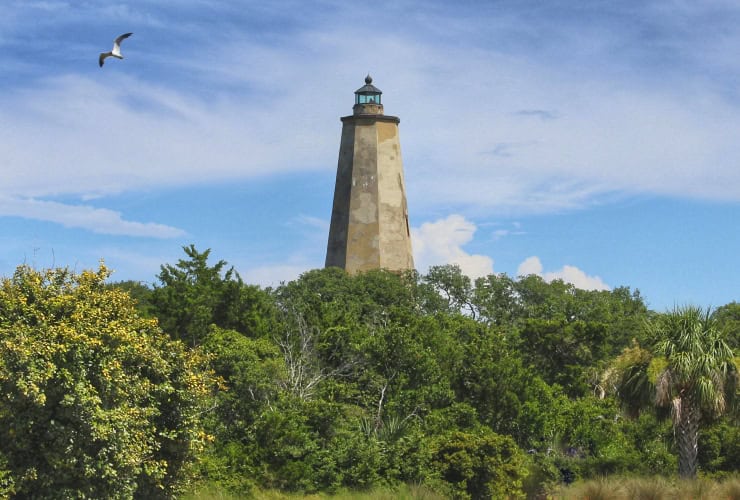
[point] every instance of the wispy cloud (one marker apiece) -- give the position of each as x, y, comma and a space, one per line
97, 220
74, 136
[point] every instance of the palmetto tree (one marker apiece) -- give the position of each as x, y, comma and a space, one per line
692, 370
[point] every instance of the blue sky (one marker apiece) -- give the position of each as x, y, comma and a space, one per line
598, 144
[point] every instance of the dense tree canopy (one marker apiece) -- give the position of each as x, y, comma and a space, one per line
498, 387
192, 295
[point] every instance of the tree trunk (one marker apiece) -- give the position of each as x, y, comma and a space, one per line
688, 436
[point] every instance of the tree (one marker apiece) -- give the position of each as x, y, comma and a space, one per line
501, 300
251, 370
454, 286
728, 320
563, 351
192, 295
700, 369
95, 402
371, 334
137, 290
479, 464
563, 332
693, 371
508, 396
496, 298
631, 376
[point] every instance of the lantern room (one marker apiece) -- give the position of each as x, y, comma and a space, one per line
368, 93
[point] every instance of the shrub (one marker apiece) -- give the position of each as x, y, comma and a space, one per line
479, 464
94, 400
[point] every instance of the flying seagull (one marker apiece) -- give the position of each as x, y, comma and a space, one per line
116, 52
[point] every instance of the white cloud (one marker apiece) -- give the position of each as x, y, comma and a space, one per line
97, 220
441, 242
568, 274
530, 265
571, 274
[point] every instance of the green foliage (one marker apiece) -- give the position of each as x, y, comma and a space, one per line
7, 482
563, 351
594, 440
719, 448
652, 437
497, 299
699, 359
266, 432
478, 464
335, 382
192, 295
632, 377
509, 397
565, 332
96, 402
593, 435
311, 446
503, 300
728, 321
226, 465
694, 373
251, 370
138, 291
400, 366
454, 287
368, 332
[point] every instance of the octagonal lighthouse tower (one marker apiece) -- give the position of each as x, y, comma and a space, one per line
369, 220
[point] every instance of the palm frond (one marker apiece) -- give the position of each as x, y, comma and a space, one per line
698, 358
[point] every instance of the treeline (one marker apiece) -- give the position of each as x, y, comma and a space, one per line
496, 388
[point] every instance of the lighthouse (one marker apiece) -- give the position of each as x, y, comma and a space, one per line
369, 220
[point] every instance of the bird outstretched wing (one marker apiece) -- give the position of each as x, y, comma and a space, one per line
122, 38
